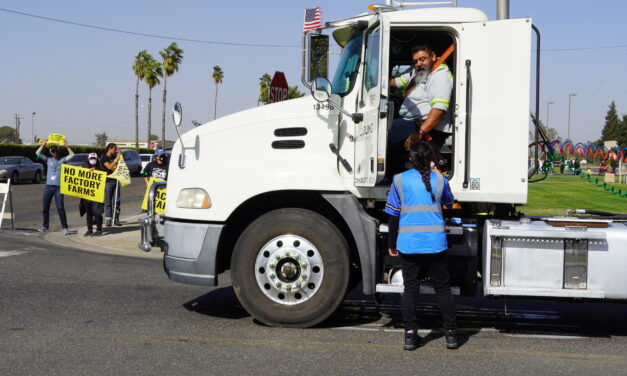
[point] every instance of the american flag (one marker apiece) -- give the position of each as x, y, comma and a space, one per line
313, 20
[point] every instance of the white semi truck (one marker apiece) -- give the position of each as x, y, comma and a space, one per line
289, 197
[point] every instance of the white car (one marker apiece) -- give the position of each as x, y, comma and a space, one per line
145, 159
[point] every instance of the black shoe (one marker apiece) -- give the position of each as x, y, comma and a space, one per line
88, 233
412, 340
451, 340
97, 233
108, 223
117, 222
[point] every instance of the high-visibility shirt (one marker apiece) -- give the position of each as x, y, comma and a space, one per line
432, 91
421, 224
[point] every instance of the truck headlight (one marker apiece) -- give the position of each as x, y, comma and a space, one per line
193, 198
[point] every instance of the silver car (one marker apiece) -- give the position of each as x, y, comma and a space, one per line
20, 169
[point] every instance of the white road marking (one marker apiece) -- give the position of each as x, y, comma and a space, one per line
11, 253
544, 336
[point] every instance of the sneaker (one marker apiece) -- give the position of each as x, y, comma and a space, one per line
412, 340
451, 340
108, 222
88, 233
97, 233
66, 231
117, 222
43, 229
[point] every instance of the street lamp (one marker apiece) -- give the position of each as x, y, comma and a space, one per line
569, 98
32, 127
548, 107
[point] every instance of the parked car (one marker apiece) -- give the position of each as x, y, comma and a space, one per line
79, 160
133, 161
146, 158
20, 169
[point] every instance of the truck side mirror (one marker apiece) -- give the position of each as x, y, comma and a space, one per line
318, 56
177, 115
321, 89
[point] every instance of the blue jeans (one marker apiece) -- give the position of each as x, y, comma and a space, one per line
110, 196
49, 192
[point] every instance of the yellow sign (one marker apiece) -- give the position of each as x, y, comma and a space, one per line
83, 183
121, 173
159, 197
56, 139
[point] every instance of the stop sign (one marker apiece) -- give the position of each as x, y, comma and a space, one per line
278, 88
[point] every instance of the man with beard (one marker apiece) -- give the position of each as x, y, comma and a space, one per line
426, 106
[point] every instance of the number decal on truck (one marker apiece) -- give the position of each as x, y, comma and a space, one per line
323, 106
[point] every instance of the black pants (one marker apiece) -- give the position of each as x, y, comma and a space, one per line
93, 214
437, 264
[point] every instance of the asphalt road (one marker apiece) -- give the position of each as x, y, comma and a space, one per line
27, 205
70, 312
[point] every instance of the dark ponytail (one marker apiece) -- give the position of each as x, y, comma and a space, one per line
421, 155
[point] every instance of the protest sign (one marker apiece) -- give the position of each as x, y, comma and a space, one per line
121, 173
159, 197
83, 183
56, 139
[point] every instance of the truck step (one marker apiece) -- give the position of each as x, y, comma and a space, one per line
398, 289
558, 293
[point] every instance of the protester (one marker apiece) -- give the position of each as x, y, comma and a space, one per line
157, 169
92, 209
53, 182
109, 161
417, 237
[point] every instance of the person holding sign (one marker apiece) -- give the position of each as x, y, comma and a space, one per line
53, 181
93, 209
109, 161
157, 169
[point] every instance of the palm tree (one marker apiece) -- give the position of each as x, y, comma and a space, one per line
217, 78
138, 68
152, 72
264, 85
172, 58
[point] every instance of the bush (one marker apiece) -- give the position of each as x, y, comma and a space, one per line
29, 150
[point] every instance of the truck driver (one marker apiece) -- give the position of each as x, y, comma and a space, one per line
425, 108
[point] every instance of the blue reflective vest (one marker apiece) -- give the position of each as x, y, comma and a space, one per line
421, 224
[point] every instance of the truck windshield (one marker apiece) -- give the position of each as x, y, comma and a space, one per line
346, 73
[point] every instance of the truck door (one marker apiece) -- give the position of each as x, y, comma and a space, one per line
496, 54
371, 133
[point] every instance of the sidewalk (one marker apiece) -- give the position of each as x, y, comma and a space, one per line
115, 240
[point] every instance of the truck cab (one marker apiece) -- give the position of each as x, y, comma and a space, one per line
289, 197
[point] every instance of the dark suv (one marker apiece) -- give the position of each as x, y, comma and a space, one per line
133, 161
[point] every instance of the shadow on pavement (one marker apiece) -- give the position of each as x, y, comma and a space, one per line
220, 302
120, 230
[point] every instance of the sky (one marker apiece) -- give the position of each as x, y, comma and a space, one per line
79, 80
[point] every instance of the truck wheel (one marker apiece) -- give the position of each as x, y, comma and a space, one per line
290, 268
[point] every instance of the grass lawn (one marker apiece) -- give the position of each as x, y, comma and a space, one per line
557, 193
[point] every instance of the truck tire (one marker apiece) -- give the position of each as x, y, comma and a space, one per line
290, 268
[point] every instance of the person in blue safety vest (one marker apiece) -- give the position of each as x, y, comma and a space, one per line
417, 237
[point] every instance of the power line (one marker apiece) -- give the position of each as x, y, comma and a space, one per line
239, 44
146, 34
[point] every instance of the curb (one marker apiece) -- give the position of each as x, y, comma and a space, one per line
120, 241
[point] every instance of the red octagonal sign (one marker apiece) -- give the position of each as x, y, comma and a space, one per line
278, 88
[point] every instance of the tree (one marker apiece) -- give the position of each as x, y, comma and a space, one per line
152, 72
264, 86
622, 134
7, 134
154, 137
101, 139
611, 129
293, 92
139, 67
172, 58
217, 76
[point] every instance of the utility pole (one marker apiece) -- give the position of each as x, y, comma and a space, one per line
32, 128
18, 119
